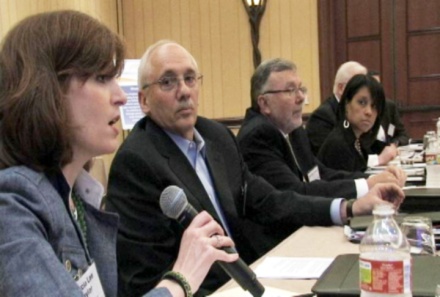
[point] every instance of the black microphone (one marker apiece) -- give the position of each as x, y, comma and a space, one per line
174, 204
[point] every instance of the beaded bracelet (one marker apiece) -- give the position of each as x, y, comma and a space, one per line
179, 279
349, 208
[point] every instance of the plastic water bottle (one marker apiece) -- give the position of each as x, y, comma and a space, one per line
438, 130
431, 151
385, 259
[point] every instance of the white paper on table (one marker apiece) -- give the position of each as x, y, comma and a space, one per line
293, 267
433, 176
268, 292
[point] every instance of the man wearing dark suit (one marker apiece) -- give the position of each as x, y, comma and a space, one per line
324, 118
321, 122
392, 125
275, 146
392, 131
172, 145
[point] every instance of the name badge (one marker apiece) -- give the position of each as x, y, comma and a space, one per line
313, 174
90, 284
391, 129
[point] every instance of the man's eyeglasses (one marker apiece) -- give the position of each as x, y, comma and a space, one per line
169, 83
292, 92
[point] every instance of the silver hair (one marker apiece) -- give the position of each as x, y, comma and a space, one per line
346, 71
261, 75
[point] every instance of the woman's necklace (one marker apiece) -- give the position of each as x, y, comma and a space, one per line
357, 146
78, 213
73, 209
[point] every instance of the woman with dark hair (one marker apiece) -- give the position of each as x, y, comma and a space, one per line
59, 103
350, 145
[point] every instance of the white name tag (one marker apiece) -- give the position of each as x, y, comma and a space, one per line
90, 284
314, 174
391, 129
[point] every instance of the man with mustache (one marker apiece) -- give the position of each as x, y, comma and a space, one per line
392, 131
172, 145
275, 146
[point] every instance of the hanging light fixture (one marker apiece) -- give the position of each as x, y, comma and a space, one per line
253, 2
255, 10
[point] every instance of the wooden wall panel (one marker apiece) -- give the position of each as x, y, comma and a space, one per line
363, 17
423, 15
417, 72
420, 48
217, 33
420, 122
365, 52
423, 92
409, 43
345, 26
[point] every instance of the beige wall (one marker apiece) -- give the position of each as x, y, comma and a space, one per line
217, 33
12, 11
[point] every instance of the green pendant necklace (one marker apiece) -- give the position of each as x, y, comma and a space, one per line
79, 215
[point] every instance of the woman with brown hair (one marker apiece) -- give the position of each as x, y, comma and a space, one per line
59, 103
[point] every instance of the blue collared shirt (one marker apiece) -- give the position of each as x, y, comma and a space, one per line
195, 152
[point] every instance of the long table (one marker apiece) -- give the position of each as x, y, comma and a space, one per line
421, 199
305, 242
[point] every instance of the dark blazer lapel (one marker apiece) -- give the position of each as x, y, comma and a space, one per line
385, 121
288, 156
301, 147
334, 103
187, 175
183, 171
217, 167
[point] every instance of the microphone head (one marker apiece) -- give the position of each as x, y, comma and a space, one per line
173, 201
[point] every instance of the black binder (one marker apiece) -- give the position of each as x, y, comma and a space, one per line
341, 278
362, 222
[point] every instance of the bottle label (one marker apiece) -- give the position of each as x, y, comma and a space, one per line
430, 158
391, 277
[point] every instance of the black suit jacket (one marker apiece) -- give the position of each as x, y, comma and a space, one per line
338, 150
321, 122
267, 154
324, 118
391, 116
148, 242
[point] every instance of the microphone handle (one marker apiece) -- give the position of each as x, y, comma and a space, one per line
242, 274
238, 270
187, 215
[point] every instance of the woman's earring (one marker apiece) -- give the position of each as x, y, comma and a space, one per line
346, 124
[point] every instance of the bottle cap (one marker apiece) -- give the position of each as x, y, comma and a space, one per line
383, 209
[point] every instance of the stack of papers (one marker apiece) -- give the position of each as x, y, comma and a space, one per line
292, 268
411, 170
268, 292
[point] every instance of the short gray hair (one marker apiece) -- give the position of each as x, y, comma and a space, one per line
261, 75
